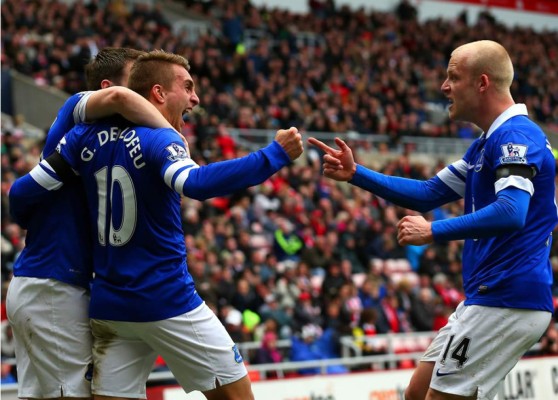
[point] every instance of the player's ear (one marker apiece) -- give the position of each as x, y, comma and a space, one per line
483, 82
158, 93
105, 83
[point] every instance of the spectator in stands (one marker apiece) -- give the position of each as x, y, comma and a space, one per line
374, 98
8, 340
366, 330
315, 344
269, 325
306, 312
351, 305
234, 325
549, 341
286, 285
333, 280
422, 310
245, 296
268, 352
318, 254
272, 310
287, 245
7, 374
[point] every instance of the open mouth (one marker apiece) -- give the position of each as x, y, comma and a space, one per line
186, 114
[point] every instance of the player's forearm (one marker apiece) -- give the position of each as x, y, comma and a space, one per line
225, 177
506, 214
120, 100
409, 193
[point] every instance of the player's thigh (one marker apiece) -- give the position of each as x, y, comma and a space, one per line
240, 389
420, 381
436, 395
53, 339
122, 361
198, 350
483, 345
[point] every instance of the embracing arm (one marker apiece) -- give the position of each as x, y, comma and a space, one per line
121, 100
93, 105
37, 186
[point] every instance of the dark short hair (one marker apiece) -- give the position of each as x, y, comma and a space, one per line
109, 64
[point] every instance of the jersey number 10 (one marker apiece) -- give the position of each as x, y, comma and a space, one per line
120, 177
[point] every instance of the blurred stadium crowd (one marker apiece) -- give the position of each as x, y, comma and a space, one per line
298, 255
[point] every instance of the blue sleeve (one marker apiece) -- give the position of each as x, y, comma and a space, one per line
519, 148
186, 177
225, 177
71, 113
506, 214
31, 189
409, 193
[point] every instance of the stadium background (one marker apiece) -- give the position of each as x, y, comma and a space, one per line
298, 257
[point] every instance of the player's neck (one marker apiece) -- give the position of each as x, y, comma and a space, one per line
492, 110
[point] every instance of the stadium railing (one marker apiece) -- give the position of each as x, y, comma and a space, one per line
403, 350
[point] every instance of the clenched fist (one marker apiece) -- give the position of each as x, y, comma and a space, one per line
291, 141
414, 229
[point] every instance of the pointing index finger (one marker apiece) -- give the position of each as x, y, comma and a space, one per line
321, 145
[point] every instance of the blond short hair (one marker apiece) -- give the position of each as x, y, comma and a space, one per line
490, 58
152, 68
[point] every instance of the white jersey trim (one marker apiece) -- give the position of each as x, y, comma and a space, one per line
515, 181
43, 178
512, 111
79, 109
179, 183
452, 180
171, 170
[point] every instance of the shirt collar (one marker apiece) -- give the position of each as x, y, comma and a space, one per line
512, 111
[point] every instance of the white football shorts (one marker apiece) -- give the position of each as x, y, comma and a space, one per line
195, 345
480, 346
435, 348
53, 338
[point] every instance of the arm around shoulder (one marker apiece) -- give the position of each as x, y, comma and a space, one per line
131, 105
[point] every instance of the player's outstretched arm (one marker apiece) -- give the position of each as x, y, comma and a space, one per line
225, 177
409, 193
121, 100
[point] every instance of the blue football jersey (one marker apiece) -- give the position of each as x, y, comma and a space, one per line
509, 270
57, 244
134, 178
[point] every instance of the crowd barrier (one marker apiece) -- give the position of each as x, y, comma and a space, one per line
380, 377
531, 379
